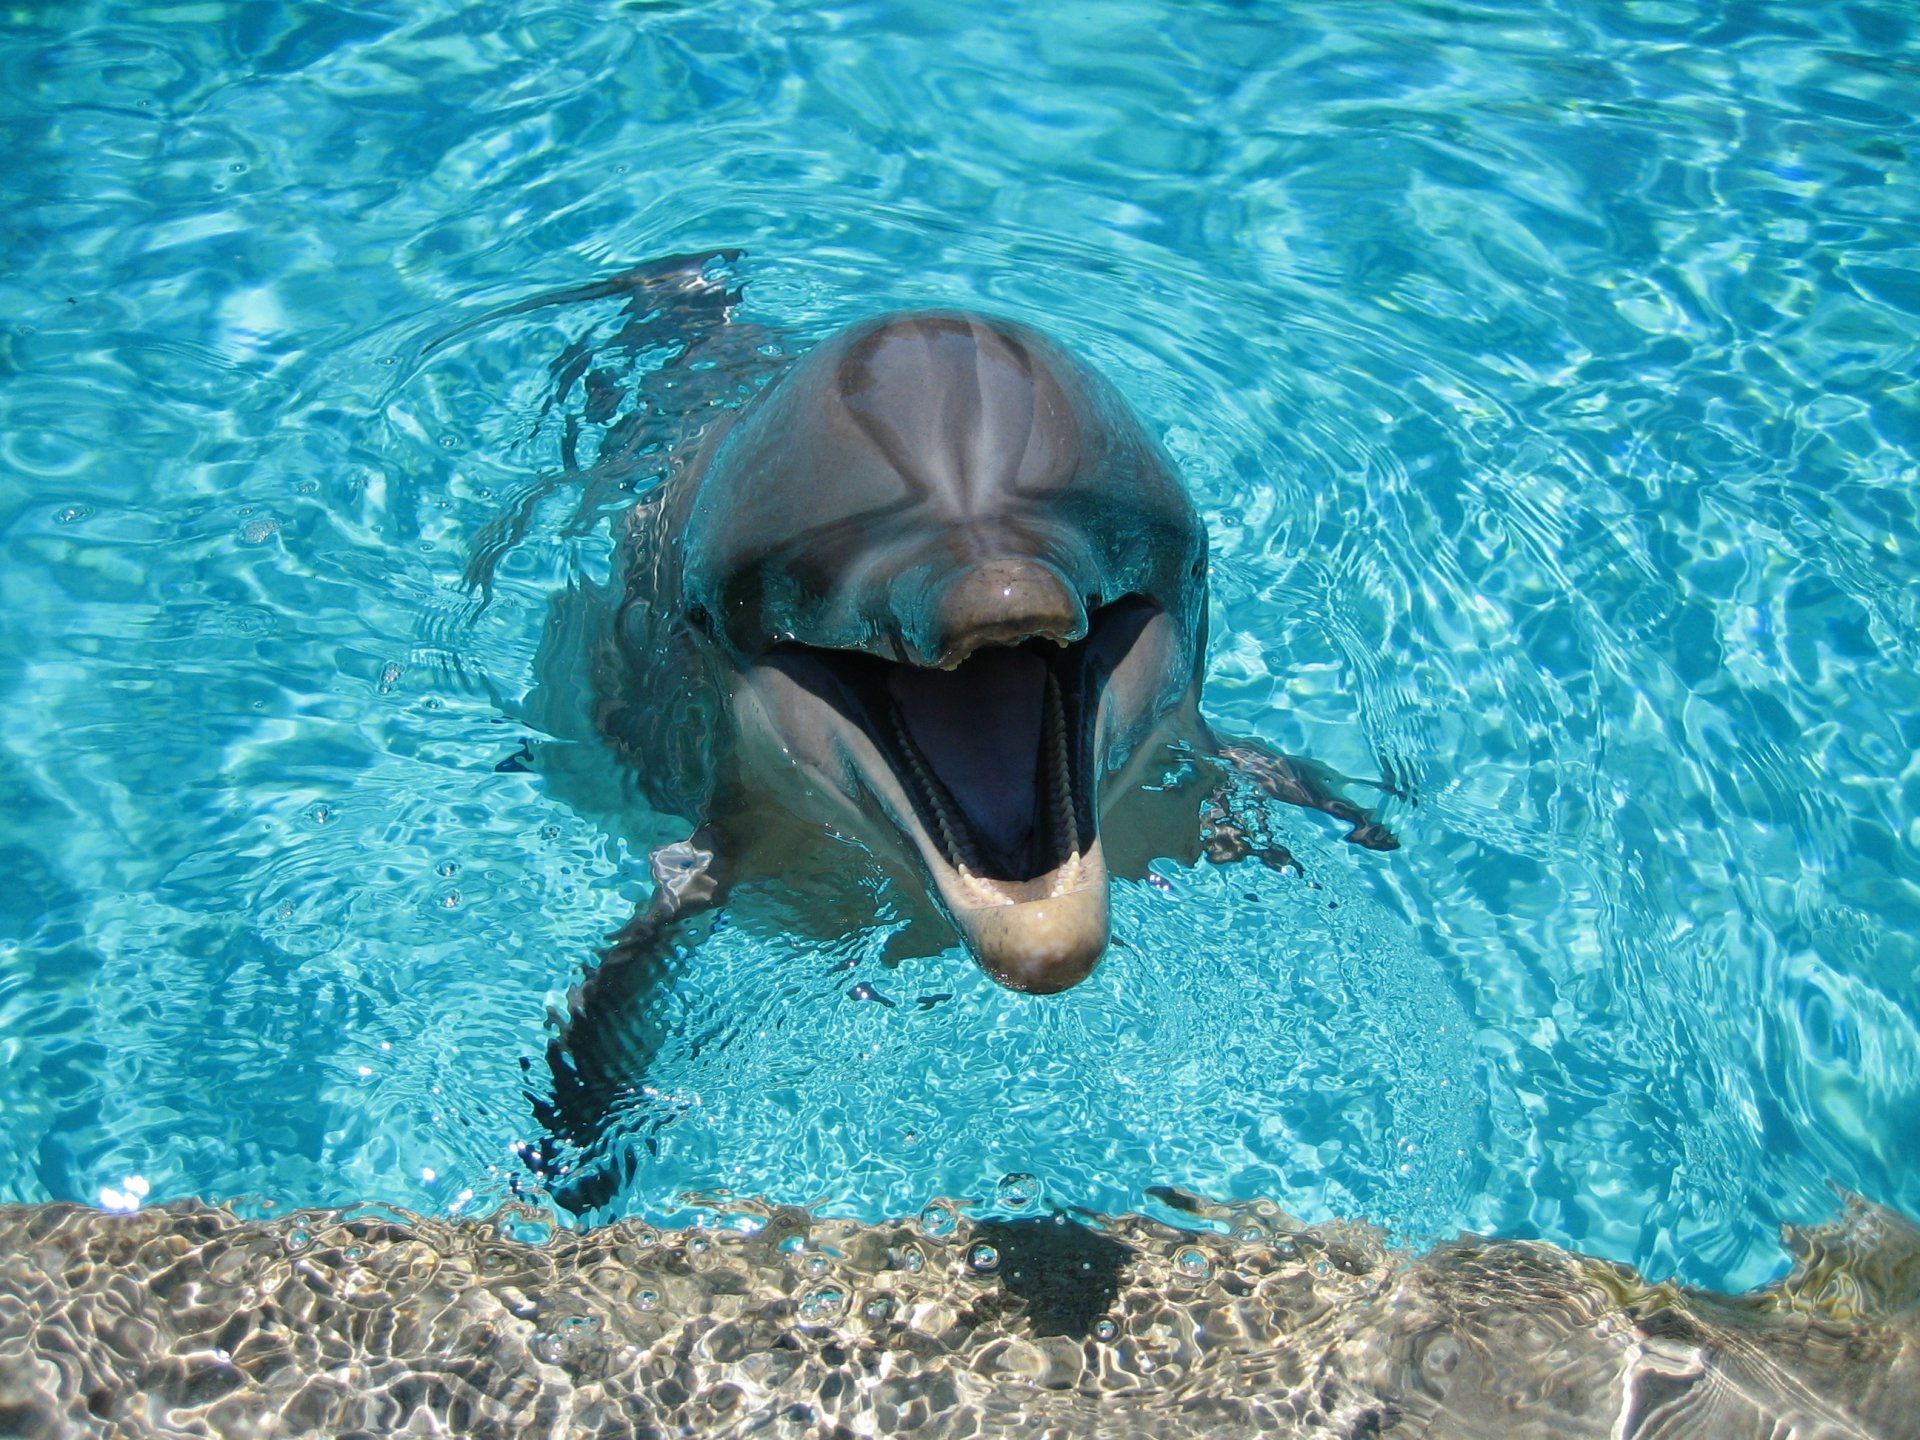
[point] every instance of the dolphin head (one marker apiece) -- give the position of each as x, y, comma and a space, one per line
960, 586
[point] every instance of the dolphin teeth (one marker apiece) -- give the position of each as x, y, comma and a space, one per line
959, 853
1060, 797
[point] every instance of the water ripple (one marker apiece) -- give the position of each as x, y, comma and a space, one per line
1544, 372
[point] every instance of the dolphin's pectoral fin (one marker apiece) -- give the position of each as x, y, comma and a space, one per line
607, 1037
1312, 786
1226, 839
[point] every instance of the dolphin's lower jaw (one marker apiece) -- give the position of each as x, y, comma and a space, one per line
986, 768
1036, 920
1042, 945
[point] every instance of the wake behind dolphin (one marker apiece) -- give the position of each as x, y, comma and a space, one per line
935, 590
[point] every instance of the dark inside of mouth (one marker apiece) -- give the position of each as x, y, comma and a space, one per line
995, 754
986, 746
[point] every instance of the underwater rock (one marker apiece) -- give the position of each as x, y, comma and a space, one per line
187, 1320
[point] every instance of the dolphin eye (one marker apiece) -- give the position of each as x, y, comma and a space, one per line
1199, 567
698, 618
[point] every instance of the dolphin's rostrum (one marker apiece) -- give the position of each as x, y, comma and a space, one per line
936, 589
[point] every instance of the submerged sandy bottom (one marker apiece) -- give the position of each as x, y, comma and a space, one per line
185, 1320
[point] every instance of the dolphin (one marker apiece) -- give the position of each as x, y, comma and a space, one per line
934, 589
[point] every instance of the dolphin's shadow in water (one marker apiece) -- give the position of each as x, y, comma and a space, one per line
931, 588
1067, 1274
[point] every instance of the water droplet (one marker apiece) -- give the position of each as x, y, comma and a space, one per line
72, 514
258, 532
447, 869
698, 1244
816, 1266
879, 1307
549, 832
1192, 1263
298, 1240
938, 1220
646, 1238
1105, 1330
450, 900
1322, 1268
646, 1300
984, 1259
822, 1305
320, 814
915, 1262
1286, 1250
1017, 1191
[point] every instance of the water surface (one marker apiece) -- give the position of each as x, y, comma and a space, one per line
1545, 376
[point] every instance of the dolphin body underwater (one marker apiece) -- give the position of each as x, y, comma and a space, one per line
933, 590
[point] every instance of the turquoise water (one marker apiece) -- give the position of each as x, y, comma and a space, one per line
1545, 375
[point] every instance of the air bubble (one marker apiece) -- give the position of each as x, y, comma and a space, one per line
258, 532
390, 674
822, 1305
646, 1300
1105, 1331
816, 1266
447, 869
938, 1220
72, 514
983, 1258
1017, 1191
298, 1240
1192, 1263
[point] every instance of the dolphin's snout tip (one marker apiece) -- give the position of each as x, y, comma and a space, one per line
1041, 946
1000, 602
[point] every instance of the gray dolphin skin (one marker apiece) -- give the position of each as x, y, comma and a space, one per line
934, 590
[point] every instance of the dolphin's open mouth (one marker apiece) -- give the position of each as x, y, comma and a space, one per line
989, 767
992, 761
